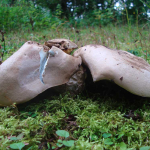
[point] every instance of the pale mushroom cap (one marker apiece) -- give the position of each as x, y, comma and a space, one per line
128, 71
20, 77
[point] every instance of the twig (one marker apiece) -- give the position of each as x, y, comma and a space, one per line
3, 40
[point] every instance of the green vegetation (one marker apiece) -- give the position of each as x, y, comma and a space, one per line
60, 142
136, 40
95, 121
39, 14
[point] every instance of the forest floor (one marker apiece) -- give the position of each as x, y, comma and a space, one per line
107, 117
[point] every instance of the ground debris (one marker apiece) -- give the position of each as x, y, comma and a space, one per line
132, 115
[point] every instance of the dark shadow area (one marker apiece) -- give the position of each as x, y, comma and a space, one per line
105, 90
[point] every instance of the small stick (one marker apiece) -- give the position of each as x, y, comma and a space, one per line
0, 61
3, 40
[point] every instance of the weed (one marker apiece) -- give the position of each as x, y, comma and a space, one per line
63, 142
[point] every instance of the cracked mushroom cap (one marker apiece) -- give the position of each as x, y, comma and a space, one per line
64, 44
125, 69
20, 76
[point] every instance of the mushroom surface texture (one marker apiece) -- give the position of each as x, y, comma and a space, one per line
75, 85
64, 44
20, 76
125, 69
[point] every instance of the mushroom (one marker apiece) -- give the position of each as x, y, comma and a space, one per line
23, 74
20, 74
128, 71
64, 44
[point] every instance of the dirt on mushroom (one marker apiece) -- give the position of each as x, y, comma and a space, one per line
64, 44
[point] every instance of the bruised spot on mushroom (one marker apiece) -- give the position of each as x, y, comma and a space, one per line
118, 63
132, 66
85, 50
121, 78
